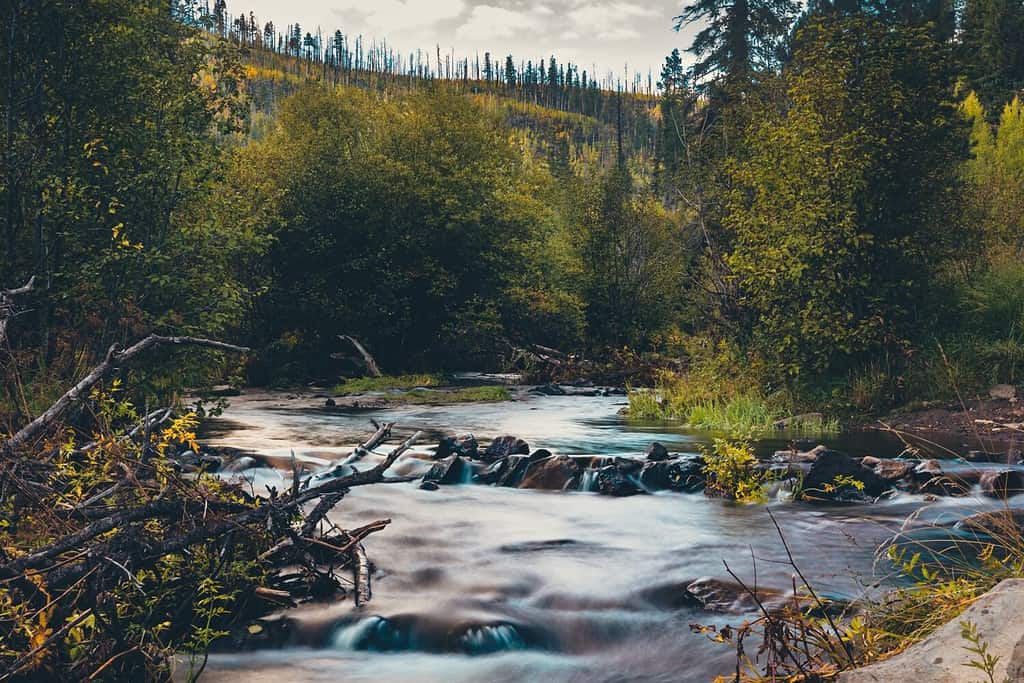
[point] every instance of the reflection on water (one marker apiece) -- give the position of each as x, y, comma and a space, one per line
476, 583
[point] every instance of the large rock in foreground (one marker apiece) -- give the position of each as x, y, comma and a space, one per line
941, 657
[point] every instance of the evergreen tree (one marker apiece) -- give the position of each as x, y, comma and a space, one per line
992, 49
739, 38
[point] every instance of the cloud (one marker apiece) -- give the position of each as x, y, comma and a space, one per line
385, 16
595, 18
486, 23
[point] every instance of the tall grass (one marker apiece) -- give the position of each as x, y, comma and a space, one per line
359, 385
717, 406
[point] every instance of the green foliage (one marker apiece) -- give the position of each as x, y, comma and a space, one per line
633, 263
840, 217
983, 660
359, 385
131, 627
729, 468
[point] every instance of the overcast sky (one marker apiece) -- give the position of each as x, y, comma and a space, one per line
607, 33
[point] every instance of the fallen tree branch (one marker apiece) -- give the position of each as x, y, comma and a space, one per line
115, 356
371, 364
361, 573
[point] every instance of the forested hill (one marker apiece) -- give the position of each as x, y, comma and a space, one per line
588, 120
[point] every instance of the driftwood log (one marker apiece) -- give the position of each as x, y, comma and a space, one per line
371, 364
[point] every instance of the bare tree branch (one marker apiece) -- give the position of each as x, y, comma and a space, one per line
115, 356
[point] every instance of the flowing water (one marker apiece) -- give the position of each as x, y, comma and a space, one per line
477, 583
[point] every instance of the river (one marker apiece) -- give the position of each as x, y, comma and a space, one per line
537, 585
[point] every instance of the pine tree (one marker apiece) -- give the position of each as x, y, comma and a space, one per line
992, 49
739, 38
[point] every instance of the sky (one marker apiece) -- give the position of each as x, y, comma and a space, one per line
609, 34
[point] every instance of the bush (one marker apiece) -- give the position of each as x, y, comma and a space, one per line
730, 472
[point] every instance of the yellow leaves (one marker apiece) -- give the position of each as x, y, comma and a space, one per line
180, 431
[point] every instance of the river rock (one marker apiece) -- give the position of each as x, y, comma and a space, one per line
799, 456
548, 390
504, 446
540, 454
941, 657
464, 445
656, 451
1002, 483
820, 480
451, 470
679, 474
929, 478
614, 481
889, 469
716, 595
1003, 392
556, 473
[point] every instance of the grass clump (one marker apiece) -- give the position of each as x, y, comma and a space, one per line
719, 406
358, 385
464, 395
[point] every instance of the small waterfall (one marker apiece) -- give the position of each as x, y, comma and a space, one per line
481, 640
588, 482
372, 633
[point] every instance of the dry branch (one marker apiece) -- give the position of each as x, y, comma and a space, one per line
371, 364
115, 356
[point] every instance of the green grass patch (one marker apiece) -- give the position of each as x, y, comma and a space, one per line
466, 395
733, 410
360, 385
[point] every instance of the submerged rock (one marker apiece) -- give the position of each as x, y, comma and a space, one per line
928, 477
613, 480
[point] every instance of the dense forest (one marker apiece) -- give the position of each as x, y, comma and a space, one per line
813, 207
827, 204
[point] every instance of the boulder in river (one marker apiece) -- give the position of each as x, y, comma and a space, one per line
1002, 483
504, 446
613, 480
451, 470
555, 473
679, 474
889, 469
832, 476
464, 445
656, 451
548, 390
929, 477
